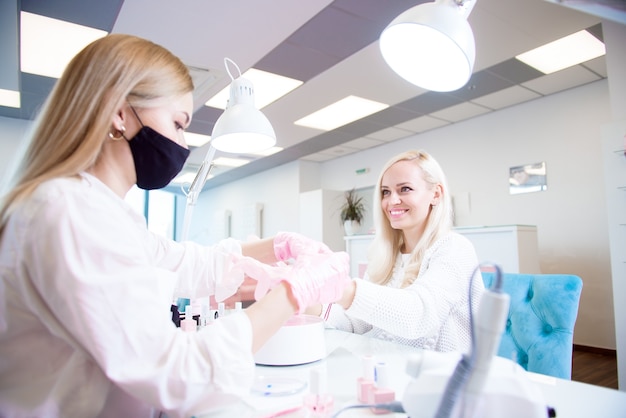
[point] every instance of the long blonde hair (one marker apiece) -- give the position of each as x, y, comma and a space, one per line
387, 243
77, 116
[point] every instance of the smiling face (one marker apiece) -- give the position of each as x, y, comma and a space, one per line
407, 199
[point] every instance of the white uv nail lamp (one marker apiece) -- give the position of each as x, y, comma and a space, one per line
299, 341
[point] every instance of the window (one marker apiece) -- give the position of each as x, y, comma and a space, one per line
161, 213
158, 207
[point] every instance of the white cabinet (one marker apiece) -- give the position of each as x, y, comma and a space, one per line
356, 247
513, 247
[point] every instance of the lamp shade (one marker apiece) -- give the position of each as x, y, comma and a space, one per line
242, 127
431, 45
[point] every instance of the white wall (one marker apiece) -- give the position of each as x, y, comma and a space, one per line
12, 132
278, 190
614, 35
562, 129
319, 217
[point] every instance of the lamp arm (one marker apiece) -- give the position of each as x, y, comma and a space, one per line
229, 61
201, 176
194, 190
465, 7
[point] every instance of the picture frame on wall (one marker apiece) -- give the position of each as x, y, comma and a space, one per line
528, 178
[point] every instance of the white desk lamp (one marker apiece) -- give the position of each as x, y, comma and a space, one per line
431, 45
241, 128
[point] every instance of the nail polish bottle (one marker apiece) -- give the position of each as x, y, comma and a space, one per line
224, 311
196, 308
365, 383
319, 403
175, 315
205, 315
189, 324
381, 393
221, 310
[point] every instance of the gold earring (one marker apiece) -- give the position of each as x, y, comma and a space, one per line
117, 131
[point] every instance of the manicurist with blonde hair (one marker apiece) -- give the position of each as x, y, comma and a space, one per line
416, 286
86, 289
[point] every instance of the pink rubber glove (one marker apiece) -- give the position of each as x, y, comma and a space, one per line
291, 245
319, 278
267, 276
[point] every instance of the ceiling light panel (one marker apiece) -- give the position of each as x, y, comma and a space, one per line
10, 98
48, 45
563, 53
184, 178
268, 87
341, 113
230, 162
196, 140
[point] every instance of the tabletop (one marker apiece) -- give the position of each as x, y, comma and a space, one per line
279, 391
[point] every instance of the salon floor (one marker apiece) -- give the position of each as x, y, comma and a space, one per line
596, 368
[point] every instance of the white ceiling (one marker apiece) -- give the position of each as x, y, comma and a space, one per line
332, 46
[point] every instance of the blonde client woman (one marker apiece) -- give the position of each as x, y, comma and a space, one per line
85, 288
416, 286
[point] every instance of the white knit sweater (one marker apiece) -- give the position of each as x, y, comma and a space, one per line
432, 313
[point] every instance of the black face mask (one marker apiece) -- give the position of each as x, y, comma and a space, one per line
157, 159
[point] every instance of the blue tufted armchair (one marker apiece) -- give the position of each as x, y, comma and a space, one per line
540, 325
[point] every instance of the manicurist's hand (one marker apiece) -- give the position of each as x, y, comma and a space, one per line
270, 313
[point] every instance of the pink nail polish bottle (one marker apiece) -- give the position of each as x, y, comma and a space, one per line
365, 383
319, 403
189, 324
381, 393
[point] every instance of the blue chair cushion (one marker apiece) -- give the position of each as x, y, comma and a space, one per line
539, 330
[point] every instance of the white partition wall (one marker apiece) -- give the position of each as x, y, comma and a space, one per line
614, 145
513, 247
319, 217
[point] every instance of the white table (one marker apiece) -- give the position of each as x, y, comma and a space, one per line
343, 366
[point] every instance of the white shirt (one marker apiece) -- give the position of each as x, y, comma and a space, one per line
85, 322
432, 313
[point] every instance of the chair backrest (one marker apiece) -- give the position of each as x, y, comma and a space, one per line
539, 329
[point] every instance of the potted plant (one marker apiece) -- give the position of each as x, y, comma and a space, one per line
352, 212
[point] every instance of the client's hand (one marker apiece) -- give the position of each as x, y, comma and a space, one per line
291, 245
319, 278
